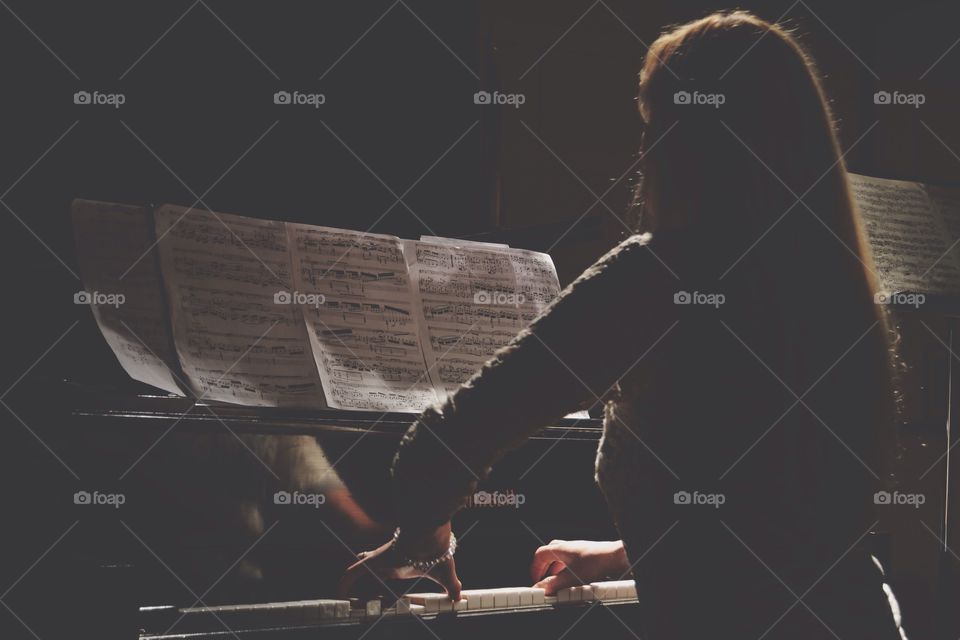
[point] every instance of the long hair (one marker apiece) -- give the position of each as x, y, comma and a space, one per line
740, 150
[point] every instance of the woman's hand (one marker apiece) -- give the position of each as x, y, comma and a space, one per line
565, 563
385, 563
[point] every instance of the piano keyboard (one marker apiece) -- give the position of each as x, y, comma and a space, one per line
308, 612
518, 597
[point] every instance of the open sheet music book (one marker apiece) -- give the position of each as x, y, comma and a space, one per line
260, 312
914, 233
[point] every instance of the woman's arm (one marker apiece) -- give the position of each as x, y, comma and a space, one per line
569, 357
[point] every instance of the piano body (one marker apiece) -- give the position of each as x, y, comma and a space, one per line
246, 508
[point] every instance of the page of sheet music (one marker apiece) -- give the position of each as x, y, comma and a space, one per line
947, 201
114, 251
909, 238
474, 301
356, 298
240, 339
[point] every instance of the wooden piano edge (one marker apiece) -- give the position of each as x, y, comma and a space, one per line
113, 410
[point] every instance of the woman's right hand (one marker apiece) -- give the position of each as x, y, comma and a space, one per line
565, 563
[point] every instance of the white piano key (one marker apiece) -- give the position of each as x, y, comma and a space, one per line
586, 593
431, 602
601, 591
563, 595
614, 590
373, 608
402, 607
417, 609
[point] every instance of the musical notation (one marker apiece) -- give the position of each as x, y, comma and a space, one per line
912, 228
279, 314
242, 269
474, 300
365, 335
205, 229
222, 275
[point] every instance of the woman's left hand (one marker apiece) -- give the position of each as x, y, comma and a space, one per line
386, 563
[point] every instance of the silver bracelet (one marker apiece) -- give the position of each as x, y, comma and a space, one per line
423, 566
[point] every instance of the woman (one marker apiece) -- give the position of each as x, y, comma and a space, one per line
744, 363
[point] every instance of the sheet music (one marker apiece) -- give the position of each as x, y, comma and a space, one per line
463, 243
113, 249
364, 329
239, 339
947, 202
473, 301
909, 237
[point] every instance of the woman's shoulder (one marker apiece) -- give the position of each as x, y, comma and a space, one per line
646, 251
638, 264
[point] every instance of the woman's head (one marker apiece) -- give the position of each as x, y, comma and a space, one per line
734, 105
740, 154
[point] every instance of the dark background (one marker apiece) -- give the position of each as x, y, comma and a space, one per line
199, 123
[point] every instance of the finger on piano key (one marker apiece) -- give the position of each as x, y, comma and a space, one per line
431, 602
477, 599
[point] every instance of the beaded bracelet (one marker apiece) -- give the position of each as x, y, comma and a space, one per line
425, 566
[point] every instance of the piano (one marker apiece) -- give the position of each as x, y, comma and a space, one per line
238, 522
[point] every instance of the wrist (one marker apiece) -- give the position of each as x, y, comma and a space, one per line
618, 556
614, 559
419, 544
423, 559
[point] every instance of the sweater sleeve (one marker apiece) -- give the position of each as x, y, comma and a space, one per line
569, 357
